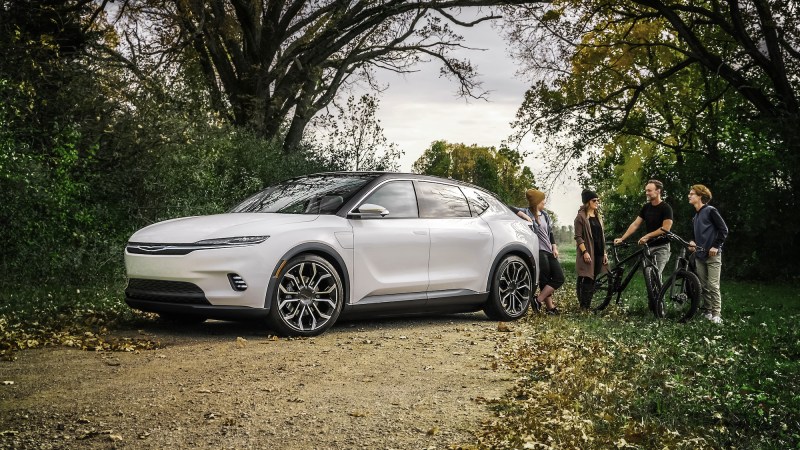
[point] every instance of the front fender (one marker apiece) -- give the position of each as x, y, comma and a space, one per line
318, 248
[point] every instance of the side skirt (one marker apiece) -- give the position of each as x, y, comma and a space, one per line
418, 303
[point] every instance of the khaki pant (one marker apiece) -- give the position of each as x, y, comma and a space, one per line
708, 271
661, 256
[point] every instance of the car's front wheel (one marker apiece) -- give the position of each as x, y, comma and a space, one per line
308, 297
512, 288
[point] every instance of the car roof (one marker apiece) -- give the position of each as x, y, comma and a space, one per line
400, 175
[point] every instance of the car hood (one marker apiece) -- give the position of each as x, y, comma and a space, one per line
187, 230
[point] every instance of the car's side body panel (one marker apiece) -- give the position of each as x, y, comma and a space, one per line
460, 253
390, 257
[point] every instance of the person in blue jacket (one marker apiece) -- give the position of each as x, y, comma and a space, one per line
710, 233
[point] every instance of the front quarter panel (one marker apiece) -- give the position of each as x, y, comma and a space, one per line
209, 269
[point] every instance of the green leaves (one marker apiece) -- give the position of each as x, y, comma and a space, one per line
678, 91
499, 171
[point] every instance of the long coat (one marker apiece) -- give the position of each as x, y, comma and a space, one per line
583, 235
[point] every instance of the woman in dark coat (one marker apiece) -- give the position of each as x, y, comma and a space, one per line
591, 258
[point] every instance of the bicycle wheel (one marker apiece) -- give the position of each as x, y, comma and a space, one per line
652, 283
608, 284
679, 298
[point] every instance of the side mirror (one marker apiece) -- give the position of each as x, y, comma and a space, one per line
368, 210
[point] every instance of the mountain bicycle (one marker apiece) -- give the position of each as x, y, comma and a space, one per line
679, 296
616, 280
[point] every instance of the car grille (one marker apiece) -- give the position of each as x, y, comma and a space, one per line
162, 249
165, 291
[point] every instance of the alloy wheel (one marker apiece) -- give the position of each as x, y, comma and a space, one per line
308, 296
515, 287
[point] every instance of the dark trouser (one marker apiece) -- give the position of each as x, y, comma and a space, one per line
585, 285
550, 271
585, 289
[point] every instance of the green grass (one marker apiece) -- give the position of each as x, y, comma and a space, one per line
622, 379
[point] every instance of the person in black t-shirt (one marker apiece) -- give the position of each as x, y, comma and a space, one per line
656, 214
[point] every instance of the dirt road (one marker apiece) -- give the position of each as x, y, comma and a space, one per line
392, 384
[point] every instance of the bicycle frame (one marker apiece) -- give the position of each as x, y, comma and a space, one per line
681, 262
643, 258
679, 295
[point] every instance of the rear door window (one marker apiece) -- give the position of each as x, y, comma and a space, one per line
438, 200
477, 203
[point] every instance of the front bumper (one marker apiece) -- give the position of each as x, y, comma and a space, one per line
199, 282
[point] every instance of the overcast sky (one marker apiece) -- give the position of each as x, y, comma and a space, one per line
421, 107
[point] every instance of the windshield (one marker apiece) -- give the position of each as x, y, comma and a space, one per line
315, 194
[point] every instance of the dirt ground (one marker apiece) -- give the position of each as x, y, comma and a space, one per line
411, 383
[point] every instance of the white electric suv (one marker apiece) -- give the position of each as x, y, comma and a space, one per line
368, 244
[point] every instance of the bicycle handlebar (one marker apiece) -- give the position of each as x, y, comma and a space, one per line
621, 244
675, 237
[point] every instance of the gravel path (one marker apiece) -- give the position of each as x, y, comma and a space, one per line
390, 384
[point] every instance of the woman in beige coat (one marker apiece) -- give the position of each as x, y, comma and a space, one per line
591, 258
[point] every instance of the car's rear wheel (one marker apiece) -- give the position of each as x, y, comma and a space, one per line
308, 297
512, 288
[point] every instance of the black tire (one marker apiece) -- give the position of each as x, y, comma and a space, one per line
181, 319
512, 290
681, 305
308, 297
608, 284
652, 283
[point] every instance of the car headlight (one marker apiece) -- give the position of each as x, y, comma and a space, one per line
232, 241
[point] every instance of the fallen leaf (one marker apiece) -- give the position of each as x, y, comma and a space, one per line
503, 327
241, 342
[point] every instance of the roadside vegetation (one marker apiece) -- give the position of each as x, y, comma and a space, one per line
622, 379
59, 315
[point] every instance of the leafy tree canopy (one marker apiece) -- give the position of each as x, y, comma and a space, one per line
685, 92
500, 171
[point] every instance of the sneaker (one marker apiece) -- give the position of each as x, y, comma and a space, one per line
553, 312
537, 305
708, 316
716, 319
